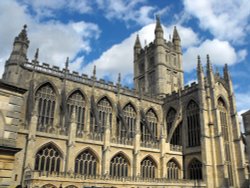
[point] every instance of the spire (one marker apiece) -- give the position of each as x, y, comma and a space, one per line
210, 74
23, 35
200, 73
176, 40
137, 42
176, 35
36, 54
119, 79
158, 28
67, 63
94, 72
20, 46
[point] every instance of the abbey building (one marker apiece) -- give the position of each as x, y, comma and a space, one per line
62, 129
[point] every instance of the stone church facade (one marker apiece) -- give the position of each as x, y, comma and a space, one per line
77, 131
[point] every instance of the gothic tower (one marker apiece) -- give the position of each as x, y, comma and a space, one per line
17, 57
158, 66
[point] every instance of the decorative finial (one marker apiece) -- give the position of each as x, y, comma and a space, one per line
199, 59
119, 78
208, 59
67, 63
24, 26
36, 54
94, 71
169, 37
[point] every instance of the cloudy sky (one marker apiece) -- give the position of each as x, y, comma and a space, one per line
102, 33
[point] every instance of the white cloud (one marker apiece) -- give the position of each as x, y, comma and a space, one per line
226, 20
135, 11
220, 52
55, 40
119, 58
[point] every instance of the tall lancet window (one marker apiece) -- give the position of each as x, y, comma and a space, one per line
193, 122
119, 166
170, 119
86, 163
225, 134
152, 121
104, 111
46, 98
173, 170
195, 170
148, 168
48, 159
76, 100
129, 115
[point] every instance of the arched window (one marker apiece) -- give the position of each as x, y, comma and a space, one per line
119, 166
148, 168
195, 170
225, 134
152, 120
173, 170
104, 109
86, 163
46, 98
176, 138
48, 186
149, 131
170, 119
130, 120
193, 121
48, 159
76, 100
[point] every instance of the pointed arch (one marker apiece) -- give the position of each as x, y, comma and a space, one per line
48, 158
195, 169
86, 163
50, 143
132, 104
152, 120
97, 156
105, 109
171, 114
221, 102
124, 155
129, 115
71, 186
82, 92
148, 167
39, 85
173, 169
109, 99
49, 186
119, 165
225, 131
45, 97
76, 100
193, 122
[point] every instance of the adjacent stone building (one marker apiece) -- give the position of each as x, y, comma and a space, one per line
77, 131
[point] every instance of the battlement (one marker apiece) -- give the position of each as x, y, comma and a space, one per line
85, 79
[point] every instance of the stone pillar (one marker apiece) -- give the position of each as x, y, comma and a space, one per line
86, 124
163, 152
106, 148
137, 142
69, 167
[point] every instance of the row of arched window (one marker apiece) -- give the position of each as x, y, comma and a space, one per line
49, 158
46, 98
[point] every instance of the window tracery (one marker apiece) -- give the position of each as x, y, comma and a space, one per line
76, 100
48, 159
148, 168
86, 163
46, 98
119, 166
195, 170
173, 170
193, 121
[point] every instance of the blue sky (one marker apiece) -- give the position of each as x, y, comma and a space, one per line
102, 33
